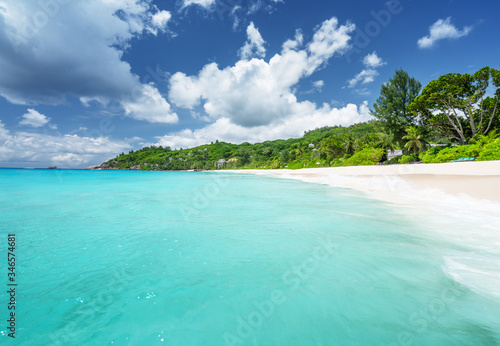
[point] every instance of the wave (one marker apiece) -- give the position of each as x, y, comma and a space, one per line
464, 230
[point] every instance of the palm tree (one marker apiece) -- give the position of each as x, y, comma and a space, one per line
348, 144
299, 151
415, 140
385, 141
491, 137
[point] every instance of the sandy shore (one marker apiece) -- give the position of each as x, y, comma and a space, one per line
479, 180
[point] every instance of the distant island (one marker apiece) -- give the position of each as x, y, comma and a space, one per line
451, 119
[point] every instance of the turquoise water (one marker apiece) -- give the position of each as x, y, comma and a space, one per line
161, 258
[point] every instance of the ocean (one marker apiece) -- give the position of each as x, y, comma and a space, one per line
191, 258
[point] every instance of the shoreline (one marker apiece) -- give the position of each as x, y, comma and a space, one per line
478, 180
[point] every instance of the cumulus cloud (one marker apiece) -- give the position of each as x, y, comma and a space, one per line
159, 21
440, 30
373, 60
71, 151
256, 92
149, 106
254, 46
202, 3
319, 84
34, 118
225, 130
368, 74
296, 43
254, 99
74, 48
328, 40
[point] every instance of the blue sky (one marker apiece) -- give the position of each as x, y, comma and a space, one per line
82, 81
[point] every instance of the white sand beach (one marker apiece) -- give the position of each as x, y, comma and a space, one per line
479, 180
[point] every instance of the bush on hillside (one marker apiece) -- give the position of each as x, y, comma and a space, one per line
454, 153
404, 159
429, 155
490, 152
365, 157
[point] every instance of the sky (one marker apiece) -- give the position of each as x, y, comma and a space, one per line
83, 81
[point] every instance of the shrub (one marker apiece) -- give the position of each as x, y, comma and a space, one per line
429, 155
336, 162
394, 160
453, 153
365, 157
456, 153
404, 159
490, 152
274, 164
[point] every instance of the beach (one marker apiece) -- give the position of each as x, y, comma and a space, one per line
478, 180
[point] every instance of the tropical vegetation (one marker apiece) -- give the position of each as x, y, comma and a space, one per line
455, 116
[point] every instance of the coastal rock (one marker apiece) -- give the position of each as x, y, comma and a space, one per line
101, 166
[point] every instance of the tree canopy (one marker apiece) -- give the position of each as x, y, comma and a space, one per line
455, 103
391, 108
416, 141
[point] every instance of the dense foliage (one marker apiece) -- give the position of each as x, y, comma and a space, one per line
485, 148
392, 107
447, 154
327, 146
456, 104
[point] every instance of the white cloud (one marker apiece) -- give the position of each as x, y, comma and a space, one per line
368, 74
149, 105
43, 64
254, 100
440, 30
203, 3
159, 21
319, 84
255, 92
254, 46
34, 118
296, 43
225, 130
69, 151
373, 60
328, 40
363, 92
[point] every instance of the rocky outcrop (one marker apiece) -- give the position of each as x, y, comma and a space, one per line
101, 166
137, 167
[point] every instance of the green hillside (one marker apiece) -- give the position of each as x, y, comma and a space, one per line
322, 147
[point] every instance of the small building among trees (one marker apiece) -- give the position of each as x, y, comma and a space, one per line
220, 163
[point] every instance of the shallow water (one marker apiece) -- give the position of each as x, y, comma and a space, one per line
145, 258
